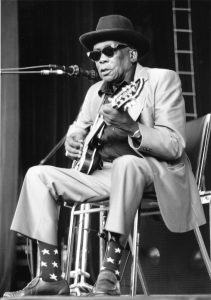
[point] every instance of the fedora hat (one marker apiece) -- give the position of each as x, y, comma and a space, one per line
117, 28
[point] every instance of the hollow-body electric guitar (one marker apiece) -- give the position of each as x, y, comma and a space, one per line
90, 159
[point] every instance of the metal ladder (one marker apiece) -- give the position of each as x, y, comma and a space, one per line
183, 52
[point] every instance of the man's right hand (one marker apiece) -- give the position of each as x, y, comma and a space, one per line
74, 146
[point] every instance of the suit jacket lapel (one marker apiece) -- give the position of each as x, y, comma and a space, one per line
135, 110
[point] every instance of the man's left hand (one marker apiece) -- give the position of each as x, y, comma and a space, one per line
118, 118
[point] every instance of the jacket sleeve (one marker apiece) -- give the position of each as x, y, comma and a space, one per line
86, 114
166, 138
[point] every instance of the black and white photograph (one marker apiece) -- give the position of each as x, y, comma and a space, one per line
105, 170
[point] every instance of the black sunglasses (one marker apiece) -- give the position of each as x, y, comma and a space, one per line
109, 51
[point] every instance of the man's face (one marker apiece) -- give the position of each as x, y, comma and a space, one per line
113, 69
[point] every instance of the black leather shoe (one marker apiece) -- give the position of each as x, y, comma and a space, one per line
39, 287
106, 284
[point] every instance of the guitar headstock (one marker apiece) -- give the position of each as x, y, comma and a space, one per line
127, 95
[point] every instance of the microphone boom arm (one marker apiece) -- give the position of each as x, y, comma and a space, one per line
73, 70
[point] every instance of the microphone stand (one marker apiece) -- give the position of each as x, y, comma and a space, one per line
73, 70
51, 70
53, 151
24, 69
21, 72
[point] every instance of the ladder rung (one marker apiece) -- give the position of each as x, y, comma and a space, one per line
184, 51
183, 30
188, 94
191, 115
181, 9
185, 72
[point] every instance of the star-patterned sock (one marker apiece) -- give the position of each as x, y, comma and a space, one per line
50, 265
113, 256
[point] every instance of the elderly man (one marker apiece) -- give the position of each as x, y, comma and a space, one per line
140, 146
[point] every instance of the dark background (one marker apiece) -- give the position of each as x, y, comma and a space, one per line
48, 34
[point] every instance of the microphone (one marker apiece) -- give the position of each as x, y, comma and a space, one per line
73, 70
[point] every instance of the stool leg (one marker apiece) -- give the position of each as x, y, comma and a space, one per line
30, 256
210, 225
70, 244
102, 244
203, 250
78, 247
85, 246
136, 266
134, 255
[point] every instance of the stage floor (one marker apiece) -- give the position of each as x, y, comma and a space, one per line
123, 297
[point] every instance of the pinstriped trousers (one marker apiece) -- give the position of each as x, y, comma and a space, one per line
125, 180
